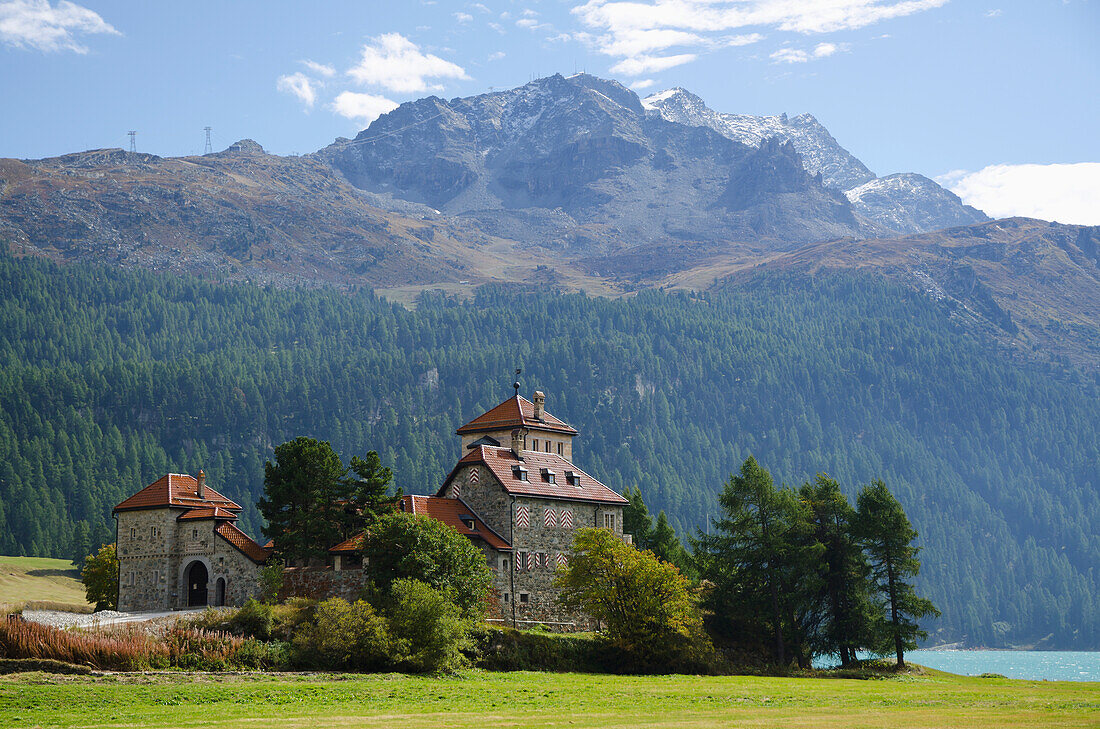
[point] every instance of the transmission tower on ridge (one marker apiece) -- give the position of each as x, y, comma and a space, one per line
209, 148
133, 140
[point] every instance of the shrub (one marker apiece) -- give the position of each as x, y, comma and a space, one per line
416, 547
427, 629
100, 578
508, 649
646, 605
255, 620
271, 581
344, 635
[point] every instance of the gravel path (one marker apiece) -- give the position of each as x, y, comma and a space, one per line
59, 619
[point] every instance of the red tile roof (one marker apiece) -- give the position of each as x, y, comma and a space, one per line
353, 544
175, 489
515, 412
230, 533
449, 511
216, 513
501, 460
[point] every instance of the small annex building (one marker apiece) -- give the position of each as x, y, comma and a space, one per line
514, 492
179, 546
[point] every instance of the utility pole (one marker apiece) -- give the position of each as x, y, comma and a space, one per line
209, 148
133, 140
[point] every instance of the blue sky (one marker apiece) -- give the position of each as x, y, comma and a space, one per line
998, 99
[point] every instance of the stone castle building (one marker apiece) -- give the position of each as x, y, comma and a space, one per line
515, 493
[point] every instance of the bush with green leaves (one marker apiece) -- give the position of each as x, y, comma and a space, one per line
646, 606
100, 578
427, 629
344, 635
254, 619
416, 547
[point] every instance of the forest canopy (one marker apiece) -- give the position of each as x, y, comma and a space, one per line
110, 378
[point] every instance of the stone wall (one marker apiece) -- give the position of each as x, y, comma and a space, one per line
320, 583
153, 566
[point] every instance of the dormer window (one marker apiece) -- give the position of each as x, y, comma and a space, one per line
519, 472
547, 475
468, 522
573, 479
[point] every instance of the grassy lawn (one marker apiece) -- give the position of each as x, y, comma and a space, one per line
23, 579
481, 699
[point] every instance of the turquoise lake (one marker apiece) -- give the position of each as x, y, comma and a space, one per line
1035, 665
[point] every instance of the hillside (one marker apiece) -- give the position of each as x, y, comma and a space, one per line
109, 378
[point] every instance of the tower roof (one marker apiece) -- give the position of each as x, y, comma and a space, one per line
515, 412
503, 463
179, 490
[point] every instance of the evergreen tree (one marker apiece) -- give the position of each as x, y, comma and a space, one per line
667, 546
368, 492
82, 543
886, 535
636, 519
302, 499
746, 557
844, 597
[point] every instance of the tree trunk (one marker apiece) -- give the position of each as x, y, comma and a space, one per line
780, 650
898, 645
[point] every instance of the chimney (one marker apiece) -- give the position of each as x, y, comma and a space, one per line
202, 484
540, 404
519, 442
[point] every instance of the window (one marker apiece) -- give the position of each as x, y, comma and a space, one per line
543, 559
469, 523
133, 532
523, 597
565, 521
505, 595
572, 478
521, 559
560, 448
505, 564
154, 532
547, 446
194, 533
609, 521
519, 472
130, 578
547, 475
535, 444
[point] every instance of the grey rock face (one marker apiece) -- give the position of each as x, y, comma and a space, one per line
587, 149
819, 151
900, 203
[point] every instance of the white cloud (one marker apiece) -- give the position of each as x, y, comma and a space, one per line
1067, 193
642, 84
482, 8
320, 69
496, 56
635, 29
640, 65
463, 17
37, 24
300, 85
363, 108
821, 50
394, 62
994, 13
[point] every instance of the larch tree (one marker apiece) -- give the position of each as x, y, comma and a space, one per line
887, 537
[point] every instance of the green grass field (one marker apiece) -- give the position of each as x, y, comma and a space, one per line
481, 699
34, 579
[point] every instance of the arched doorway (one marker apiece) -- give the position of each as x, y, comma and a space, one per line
219, 592
197, 577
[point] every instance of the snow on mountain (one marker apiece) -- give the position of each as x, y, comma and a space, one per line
819, 150
900, 203
911, 203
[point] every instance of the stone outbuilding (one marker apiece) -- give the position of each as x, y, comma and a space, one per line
179, 546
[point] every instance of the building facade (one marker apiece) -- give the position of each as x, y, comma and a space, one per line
179, 546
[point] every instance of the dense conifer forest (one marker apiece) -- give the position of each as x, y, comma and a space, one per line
110, 378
